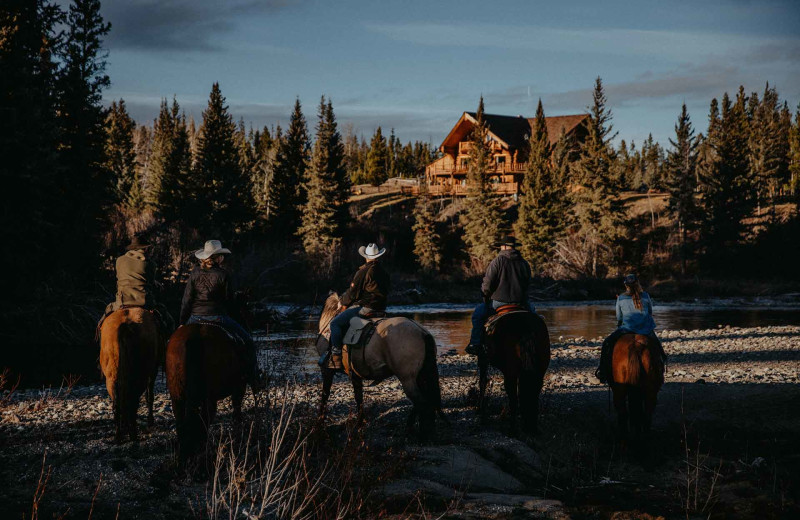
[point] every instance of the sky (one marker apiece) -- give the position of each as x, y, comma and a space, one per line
415, 66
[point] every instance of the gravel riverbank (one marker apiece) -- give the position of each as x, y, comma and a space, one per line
728, 413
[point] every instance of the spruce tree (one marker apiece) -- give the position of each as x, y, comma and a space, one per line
483, 218
766, 153
794, 159
726, 182
221, 185
81, 116
30, 37
597, 205
265, 148
171, 188
337, 168
682, 181
427, 242
320, 230
562, 158
121, 157
377, 163
542, 211
286, 195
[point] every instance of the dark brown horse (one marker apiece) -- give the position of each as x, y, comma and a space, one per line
204, 365
131, 347
520, 348
638, 373
400, 347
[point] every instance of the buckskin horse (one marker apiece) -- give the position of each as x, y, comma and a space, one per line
518, 345
638, 373
131, 346
204, 365
399, 347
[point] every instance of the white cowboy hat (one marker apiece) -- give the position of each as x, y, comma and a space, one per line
212, 247
371, 252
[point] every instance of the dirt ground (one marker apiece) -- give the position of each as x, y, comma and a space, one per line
723, 445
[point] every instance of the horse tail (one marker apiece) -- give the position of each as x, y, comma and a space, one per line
124, 394
636, 372
194, 426
428, 376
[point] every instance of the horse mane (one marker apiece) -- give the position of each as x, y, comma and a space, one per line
329, 310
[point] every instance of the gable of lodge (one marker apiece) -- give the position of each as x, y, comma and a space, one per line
508, 136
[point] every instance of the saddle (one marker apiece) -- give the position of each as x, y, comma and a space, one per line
358, 335
500, 313
238, 340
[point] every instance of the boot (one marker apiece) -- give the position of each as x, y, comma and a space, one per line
336, 361
474, 350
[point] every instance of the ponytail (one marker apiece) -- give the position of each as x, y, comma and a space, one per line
635, 291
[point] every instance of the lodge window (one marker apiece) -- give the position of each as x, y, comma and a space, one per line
464, 163
500, 159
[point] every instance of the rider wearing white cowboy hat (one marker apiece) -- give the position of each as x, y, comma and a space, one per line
366, 295
209, 297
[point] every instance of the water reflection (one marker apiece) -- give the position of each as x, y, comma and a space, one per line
450, 324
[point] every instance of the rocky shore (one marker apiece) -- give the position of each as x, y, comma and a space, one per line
728, 413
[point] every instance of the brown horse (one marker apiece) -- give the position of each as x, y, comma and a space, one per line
520, 348
638, 373
203, 365
131, 347
399, 347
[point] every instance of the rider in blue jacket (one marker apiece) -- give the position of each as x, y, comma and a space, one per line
634, 315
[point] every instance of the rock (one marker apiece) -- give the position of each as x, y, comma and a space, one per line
552, 508
461, 468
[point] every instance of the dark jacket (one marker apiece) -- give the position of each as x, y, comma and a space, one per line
135, 277
369, 288
208, 293
507, 278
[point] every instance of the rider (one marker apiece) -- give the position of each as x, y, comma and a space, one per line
634, 315
209, 297
506, 282
136, 280
365, 296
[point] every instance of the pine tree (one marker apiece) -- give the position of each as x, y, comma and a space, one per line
682, 181
542, 211
320, 231
562, 158
483, 219
220, 184
336, 166
171, 188
81, 116
725, 181
265, 149
121, 156
286, 195
427, 242
376, 167
597, 205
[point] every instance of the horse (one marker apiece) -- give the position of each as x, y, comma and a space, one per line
131, 347
520, 348
399, 347
204, 365
638, 373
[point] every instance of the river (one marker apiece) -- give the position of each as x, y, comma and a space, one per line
450, 323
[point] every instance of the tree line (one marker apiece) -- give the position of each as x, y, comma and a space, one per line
724, 189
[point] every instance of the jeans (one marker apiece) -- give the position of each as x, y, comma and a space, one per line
339, 326
481, 315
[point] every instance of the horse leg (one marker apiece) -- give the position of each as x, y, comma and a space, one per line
116, 404
327, 382
530, 385
510, 381
358, 393
132, 412
651, 398
636, 411
483, 379
621, 406
236, 403
412, 417
150, 398
421, 409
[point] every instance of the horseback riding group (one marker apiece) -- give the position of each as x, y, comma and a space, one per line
212, 355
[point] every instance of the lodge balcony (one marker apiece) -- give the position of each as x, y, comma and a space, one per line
460, 190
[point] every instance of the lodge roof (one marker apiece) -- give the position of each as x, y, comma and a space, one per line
512, 130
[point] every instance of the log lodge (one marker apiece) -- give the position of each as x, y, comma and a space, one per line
508, 136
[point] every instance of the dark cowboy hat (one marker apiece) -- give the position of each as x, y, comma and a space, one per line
137, 242
507, 240
630, 279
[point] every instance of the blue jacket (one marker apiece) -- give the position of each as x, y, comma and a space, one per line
633, 319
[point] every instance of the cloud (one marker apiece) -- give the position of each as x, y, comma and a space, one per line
186, 25
614, 41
